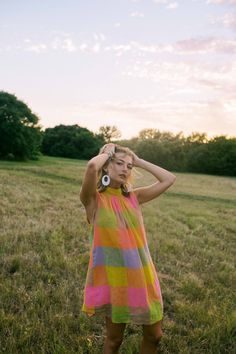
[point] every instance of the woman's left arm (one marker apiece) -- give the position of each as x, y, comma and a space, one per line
164, 177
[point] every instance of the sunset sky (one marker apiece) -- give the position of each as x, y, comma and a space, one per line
162, 64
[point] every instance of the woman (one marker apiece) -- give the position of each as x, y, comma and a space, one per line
121, 283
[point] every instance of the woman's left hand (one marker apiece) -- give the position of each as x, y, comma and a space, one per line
136, 160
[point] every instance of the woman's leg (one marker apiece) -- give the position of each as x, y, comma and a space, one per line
114, 336
151, 338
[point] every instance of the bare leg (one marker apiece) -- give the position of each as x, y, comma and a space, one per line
114, 338
151, 338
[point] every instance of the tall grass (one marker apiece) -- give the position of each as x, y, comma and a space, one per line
44, 252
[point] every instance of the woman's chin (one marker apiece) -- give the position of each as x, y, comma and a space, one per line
116, 184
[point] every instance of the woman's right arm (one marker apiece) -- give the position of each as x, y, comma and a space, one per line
89, 184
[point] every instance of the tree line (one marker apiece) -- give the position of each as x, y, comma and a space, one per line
22, 138
195, 153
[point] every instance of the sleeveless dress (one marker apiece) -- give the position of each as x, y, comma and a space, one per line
121, 280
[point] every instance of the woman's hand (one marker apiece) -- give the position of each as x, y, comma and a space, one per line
136, 160
108, 149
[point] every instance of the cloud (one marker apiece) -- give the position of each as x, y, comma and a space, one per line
190, 95
29, 46
206, 45
63, 43
187, 79
136, 14
118, 49
99, 37
68, 45
172, 6
37, 48
228, 20
161, 1
98, 43
189, 46
83, 47
96, 48
222, 2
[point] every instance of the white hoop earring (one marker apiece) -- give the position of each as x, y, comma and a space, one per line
106, 180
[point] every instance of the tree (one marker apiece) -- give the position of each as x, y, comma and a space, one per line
147, 134
195, 153
20, 135
197, 138
71, 141
109, 132
163, 148
216, 157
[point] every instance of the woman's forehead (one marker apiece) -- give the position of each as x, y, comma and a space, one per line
124, 157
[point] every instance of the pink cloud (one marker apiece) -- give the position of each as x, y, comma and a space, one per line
228, 20
206, 45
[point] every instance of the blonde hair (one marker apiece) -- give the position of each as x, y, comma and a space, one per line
125, 188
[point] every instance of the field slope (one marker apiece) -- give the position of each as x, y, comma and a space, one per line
44, 252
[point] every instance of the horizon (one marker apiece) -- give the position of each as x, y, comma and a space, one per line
208, 137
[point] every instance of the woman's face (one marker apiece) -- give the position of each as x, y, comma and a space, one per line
119, 169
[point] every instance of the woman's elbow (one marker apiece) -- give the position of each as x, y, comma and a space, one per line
172, 179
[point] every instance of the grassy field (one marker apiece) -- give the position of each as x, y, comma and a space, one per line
44, 252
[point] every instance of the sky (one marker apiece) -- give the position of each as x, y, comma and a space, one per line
136, 64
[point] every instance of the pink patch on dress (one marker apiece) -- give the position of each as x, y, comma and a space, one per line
97, 296
115, 203
137, 297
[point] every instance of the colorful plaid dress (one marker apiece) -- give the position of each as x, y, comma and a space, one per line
121, 281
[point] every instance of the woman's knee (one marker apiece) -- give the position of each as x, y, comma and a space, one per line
153, 334
115, 333
115, 341
153, 338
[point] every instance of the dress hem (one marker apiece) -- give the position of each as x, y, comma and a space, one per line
127, 321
